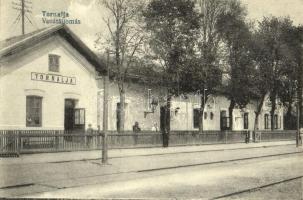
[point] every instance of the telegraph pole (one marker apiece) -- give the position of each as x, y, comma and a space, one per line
105, 112
22, 15
24, 7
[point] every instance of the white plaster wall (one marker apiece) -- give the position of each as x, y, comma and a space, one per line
182, 113
16, 83
136, 100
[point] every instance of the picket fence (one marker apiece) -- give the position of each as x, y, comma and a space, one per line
15, 142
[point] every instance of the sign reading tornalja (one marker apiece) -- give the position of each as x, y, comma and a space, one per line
54, 78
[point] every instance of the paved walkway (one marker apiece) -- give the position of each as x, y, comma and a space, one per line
117, 153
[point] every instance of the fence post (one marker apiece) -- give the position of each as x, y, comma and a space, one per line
57, 140
225, 137
104, 148
19, 143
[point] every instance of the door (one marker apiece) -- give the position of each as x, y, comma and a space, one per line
224, 121
69, 106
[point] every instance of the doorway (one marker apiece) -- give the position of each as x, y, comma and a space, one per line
69, 106
224, 121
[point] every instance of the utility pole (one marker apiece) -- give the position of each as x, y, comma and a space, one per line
22, 15
23, 7
298, 125
300, 105
105, 112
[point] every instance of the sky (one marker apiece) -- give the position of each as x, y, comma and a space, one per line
91, 14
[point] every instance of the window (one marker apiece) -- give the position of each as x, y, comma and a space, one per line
211, 115
205, 115
276, 125
79, 116
245, 120
33, 111
196, 118
53, 63
266, 121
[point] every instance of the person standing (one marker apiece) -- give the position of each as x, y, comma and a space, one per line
89, 136
155, 127
247, 137
136, 127
136, 130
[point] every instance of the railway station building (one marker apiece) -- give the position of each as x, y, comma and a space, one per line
50, 80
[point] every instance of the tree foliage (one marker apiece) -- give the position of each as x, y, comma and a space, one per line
236, 35
125, 39
172, 26
275, 58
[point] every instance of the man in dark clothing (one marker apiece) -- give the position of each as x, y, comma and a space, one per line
247, 137
136, 130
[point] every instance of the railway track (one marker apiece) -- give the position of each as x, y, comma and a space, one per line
146, 171
221, 161
257, 188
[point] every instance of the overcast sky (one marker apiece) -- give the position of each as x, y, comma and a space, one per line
90, 13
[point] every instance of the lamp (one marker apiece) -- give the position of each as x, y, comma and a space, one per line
154, 103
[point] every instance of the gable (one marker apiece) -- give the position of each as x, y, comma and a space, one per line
36, 59
15, 45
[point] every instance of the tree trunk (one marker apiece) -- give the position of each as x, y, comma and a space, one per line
166, 131
202, 106
230, 113
259, 107
121, 113
273, 109
289, 119
300, 106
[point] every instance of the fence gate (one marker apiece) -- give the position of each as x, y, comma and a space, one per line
9, 143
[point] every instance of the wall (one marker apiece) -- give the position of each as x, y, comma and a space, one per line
136, 100
16, 83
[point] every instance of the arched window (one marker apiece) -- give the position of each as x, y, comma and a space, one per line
276, 125
205, 115
266, 121
211, 115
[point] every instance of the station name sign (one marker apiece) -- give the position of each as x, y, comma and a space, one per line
53, 78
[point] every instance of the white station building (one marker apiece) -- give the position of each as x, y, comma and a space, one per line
50, 80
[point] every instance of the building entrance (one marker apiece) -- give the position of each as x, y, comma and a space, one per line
69, 107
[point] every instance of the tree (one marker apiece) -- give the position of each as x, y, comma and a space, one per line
203, 72
172, 25
236, 36
125, 39
273, 56
291, 84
